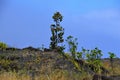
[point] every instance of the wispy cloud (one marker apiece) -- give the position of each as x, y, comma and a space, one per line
106, 21
103, 14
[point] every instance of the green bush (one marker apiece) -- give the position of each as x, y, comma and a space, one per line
94, 58
73, 44
3, 46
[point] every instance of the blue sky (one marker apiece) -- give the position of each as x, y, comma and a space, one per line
95, 23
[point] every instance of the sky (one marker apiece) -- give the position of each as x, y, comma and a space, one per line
96, 23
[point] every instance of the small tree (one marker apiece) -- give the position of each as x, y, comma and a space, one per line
112, 56
57, 31
94, 58
72, 45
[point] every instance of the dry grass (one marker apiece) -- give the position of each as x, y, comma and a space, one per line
116, 68
13, 76
56, 75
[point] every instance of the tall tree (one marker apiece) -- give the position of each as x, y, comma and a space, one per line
57, 31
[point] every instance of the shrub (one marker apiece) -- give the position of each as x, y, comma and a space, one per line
3, 46
94, 58
72, 42
112, 56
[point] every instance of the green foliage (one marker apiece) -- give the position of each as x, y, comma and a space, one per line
76, 64
94, 58
82, 54
5, 63
57, 17
94, 54
67, 55
57, 31
3, 46
112, 56
72, 45
79, 55
61, 49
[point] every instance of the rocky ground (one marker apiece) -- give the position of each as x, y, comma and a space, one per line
31, 60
